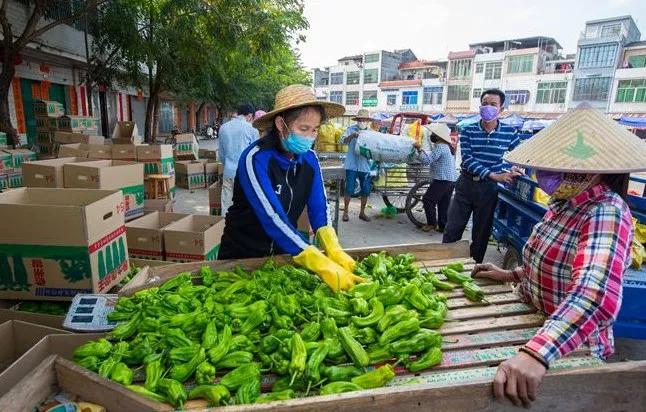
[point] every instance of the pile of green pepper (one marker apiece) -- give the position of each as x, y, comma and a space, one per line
223, 330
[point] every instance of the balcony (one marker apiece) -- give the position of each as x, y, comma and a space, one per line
410, 108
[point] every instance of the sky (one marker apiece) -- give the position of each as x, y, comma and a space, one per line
432, 28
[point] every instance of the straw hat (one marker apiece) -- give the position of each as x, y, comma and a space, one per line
441, 130
362, 114
583, 140
292, 97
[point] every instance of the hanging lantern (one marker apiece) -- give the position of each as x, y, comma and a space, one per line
44, 68
17, 60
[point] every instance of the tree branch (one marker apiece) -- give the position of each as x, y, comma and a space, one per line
6, 27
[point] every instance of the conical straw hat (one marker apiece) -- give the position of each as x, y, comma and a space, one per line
583, 140
292, 97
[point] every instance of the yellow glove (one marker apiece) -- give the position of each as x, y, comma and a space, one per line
330, 243
330, 272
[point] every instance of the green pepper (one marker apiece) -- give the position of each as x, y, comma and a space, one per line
218, 352
314, 362
242, 343
184, 371
210, 336
329, 328
360, 306
177, 281
280, 365
243, 373
269, 344
416, 298
364, 291
457, 266
107, 366
281, 321
153, 374
338, 314
147, 393
255, 319
377, 312
215, 394
379, 269
353, 348
276, 396
176, 338
366, 336
118, 316
433, 319
473, 292
379, 354
248, 392
101, 348
311, 332
141, 350
339, 387
205, 373
122, 374
174, 391
149, 325
299, 356
340, 373
234, 359
392, 315
439, 284
399, 330
90, 362
390, 295
335, 349
431, 358
419, 342
456, 277
184, 354
375, 378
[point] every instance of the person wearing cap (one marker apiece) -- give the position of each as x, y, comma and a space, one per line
356, 167
574, 260
277, 177
441, 159
482, 145
234, 136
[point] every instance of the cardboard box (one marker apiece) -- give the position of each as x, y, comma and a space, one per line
47, 173
158, 205
18, 337
208, 154
6, 164
187, 147
100, 151
78, 124
46, 123
3, 139
44, 138
61, 242
47, 150
4, 182
15, 179
19, 156
210, 173
215, 198
48, 108
125, 133
145, 235
74, 150
110, 174
69, 138
193, 238
190, 174
157, 159
126, 152
9, 310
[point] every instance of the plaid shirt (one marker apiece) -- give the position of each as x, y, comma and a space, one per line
573, 266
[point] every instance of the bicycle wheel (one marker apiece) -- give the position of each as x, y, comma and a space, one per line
396, 200
414, 205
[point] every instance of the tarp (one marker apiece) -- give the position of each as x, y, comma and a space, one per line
437, 116
513, 120
534, 125
634, 122
382, 116
448, 119
468, 120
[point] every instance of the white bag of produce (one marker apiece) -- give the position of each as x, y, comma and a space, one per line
383, 147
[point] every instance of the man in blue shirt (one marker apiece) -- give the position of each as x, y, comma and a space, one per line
356, 167
482, 144
235, 136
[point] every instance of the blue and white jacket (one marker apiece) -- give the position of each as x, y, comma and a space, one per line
269, 194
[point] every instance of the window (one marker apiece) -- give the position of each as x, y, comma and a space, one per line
517, 96
336, 97
458, 92
352, 98
432, 95
322, 81
460, 69
593, 89
637, 61
371, 76
391, 99
551, 92
479, 67
409, 98
369, 98
631, 91
611, 30
520, 64
493, 70
598, 56
336, 78
371, 58
476, 93
352, 78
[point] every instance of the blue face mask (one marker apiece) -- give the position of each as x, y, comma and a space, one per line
296, 143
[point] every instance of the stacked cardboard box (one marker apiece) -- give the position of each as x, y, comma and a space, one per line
61, 242
47, 114
215, 192
208, 154
187, 147
146, 235
125, 133
17, 158
47, 173
6, 167
71, 138
158, 159
125, 152
3, 141
78, 124
190, 174
73, 150
193, 238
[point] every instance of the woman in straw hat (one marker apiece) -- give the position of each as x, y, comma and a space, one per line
356, 167
277, 177
575, 258
441, 158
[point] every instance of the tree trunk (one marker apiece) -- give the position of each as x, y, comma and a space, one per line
88, 96
198, 115
155, 117
7, 74
149, 119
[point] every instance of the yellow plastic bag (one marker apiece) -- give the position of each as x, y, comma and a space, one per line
640, 231
638, 254
327, 134
541, 197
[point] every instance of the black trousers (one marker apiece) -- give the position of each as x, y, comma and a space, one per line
479, 198
436, 202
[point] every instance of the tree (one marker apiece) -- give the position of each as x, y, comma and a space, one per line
41, 19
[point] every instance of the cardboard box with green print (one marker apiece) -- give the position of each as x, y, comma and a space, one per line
61, 242
190, 174
157, 159
186, 147
20, 156
146, 237
6, 164
193, 238
110, 174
